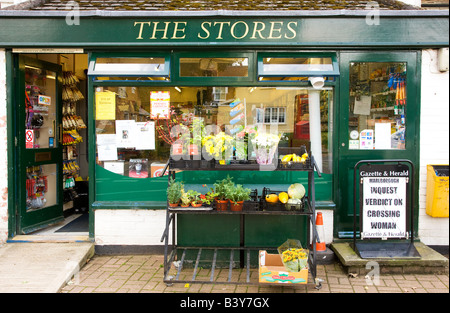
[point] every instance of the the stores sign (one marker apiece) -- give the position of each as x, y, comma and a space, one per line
216, 30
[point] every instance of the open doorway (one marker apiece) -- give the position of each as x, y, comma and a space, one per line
52, 150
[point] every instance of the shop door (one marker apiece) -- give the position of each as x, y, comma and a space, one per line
39, 170
378, 118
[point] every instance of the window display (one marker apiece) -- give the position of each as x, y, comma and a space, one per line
377, 105
138, 128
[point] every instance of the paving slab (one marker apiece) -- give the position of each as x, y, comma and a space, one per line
429, 262
39, 267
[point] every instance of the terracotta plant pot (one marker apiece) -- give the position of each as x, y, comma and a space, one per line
173, 205
196, 205
236, 206
222, 205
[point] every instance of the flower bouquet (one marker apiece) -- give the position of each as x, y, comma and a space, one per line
293, 256
265, 145
219, 147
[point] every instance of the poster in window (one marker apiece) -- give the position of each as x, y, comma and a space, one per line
160, 104
125, 133
138, 168
105, 105
145, 131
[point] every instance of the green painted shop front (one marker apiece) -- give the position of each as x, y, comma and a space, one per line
347, 39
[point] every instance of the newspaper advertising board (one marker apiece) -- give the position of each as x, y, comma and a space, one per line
384, 201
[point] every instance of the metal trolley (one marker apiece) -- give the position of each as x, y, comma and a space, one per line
179, 256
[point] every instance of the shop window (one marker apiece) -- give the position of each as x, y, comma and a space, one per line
275, 67
214, 67
133, 124
129, 68
377, 117
275, 115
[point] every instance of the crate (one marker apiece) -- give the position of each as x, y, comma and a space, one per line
282, 151
268, 206
254, 204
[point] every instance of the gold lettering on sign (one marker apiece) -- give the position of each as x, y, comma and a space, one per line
219, 35
176, 30
217, 30
245, 33
273, 29
155, 29
141, 28
292, 30
258, 30
207, 33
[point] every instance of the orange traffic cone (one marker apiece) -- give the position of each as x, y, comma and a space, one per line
320, 244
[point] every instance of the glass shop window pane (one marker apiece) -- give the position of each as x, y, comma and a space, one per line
133, 133
131, 66
214, 67
377, 117
274, 66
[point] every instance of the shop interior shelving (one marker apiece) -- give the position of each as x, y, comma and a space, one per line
172, 252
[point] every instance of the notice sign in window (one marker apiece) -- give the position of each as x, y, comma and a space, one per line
384, 201
160, 104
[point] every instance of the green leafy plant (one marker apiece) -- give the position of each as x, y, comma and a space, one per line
190, 196
195, 196
174, 191
185, 199
208, 198
238, 193
221, 187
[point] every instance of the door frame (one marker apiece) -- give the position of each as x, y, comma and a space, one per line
21, 161
346, 158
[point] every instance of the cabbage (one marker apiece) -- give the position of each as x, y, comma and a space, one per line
296, 191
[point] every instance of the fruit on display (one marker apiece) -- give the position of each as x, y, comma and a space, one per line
296, 191
283, 197
295, 158
272, 198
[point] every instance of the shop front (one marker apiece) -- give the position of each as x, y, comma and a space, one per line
205, 87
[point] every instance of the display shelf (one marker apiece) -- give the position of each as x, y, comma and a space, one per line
174, 263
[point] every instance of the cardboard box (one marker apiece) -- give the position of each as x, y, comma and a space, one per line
272, 271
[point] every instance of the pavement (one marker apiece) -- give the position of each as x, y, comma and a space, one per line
75, 268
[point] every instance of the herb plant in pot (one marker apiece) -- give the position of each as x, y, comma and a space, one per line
185, 199
195, 198
174, 192
221, 187
237, 195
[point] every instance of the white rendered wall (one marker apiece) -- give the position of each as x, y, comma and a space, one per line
434, 142
129, 227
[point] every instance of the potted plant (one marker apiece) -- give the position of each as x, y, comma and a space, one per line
221, 187
185, 199
208, 197
174, 192
195, 198
237, 195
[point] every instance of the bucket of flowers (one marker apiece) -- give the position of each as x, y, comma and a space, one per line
265, 146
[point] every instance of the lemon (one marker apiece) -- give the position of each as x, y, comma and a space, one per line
283, 197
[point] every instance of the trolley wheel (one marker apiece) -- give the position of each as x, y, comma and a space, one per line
168, 281
318, 284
